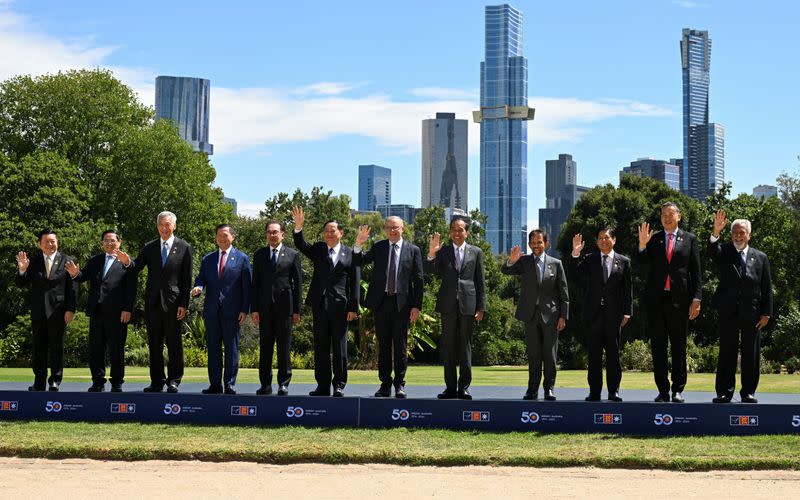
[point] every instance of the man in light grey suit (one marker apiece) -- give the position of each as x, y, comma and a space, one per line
461, 302
543, 307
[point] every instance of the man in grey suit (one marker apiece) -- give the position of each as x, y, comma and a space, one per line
543, 307
461, 301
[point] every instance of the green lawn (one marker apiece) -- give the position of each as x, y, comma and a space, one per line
432, 375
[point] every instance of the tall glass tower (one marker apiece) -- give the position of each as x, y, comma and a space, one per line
184, 102
504, 131
444, 162
374, 187
703, 169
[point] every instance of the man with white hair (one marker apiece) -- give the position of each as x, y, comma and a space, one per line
744, 301
166, 297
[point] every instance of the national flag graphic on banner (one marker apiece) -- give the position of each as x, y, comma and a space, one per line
608, 418
9, 405
123, 407
476, 416
243, 411
744, 420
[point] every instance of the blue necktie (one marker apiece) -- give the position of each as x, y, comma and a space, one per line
274, 260
109, 263
164, 256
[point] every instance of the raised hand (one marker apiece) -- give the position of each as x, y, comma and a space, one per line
644, 235
720, 221
435, 244
299, 217
363, 235
196, 291
577, 244
516, 253
123, 257
23, 261
72, 268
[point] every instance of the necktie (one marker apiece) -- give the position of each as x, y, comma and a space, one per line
742, 264
164, 250
221, 270
459, 259
330, 256
274, 260
47, 265
391, 282
539, 269
605, 268
669, 258
109, 262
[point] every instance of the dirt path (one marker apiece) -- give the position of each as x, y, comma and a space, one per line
37, 478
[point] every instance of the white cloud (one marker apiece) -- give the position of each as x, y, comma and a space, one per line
248, 208
688, 4
326, 88
445, 93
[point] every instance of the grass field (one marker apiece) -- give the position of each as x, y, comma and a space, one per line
433, 375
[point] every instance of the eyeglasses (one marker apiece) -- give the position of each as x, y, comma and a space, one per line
394, 228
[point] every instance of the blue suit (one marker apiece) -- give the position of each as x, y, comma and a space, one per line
225, 298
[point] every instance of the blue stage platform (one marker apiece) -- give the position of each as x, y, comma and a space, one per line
636, 417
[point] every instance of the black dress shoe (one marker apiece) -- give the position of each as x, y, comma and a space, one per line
338, 393
319, 392
97, 388
531, 396
53, 387
282, 391
154, 388
614, 396
448, 395
172, 388
592, 397
34, 388
116, 388
230, 390
662, 397
383, 392
212, 389
464, 394
264, 390
400, 393
677, 397
749, 398
549, 395
725, 398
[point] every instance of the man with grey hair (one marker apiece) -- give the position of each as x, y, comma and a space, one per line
744, 301
166, 297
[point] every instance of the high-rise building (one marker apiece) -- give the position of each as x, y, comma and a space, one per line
232, 202
504, 130
184, 101
374, 187
703, 169
765, 191
664, 171
444, 162
406, 212
562, 192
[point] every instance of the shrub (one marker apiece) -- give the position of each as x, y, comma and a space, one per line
636, 355
16, 343
76, 342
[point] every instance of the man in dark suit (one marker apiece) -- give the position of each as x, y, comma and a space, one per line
225, 276
544, 308
333, 296
744, 301
394, 296
112, 292
461, 302
607, 308
166, 296
276, 294
672, 296
51, 297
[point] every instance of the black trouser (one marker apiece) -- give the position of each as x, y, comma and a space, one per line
603, 332
541, 342
391, 328
330, 333
48, 348
457, 349
275, 328
163, 326
669, 320
106, 330
730, 328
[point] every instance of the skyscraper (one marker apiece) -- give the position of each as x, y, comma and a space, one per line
374, 187
562, 192
444, 162
765, 191
703, 169
184, 102
661, 170
504, 130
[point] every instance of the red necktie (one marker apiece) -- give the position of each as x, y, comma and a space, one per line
669, 258
222, 264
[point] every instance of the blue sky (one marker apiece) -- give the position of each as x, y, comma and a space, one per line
302, 93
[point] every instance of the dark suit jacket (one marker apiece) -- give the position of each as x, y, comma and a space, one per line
340, 285
552, 293
409, 274
116, 291
616, 293
465, 289
166, 288
232, 291
745, 297
280, 290
48, 295
686, 282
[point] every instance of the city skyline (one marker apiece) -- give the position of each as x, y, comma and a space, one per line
600, 97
